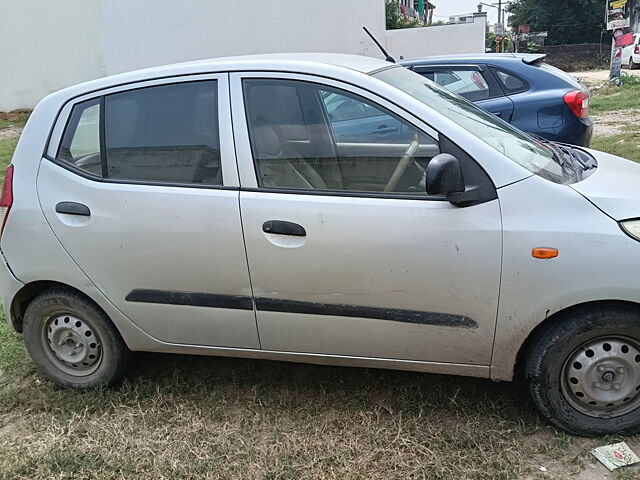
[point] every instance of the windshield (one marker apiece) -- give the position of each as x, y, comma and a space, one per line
506, 139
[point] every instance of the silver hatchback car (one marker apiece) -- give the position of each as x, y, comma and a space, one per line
322, 208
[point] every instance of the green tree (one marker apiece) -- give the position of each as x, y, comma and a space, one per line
392, 11
567, 21
393, 18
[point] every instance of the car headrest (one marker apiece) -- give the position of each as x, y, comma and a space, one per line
266, 142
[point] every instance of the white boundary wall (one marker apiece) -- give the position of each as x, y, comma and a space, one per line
437, 40
47, 45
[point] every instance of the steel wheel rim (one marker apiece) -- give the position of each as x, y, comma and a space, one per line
601, 378
72, 344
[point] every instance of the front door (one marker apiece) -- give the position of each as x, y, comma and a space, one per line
348, 253
142, 191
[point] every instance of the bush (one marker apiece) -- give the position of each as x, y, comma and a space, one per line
394, 19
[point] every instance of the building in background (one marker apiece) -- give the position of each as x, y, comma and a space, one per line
462, 18
418, 10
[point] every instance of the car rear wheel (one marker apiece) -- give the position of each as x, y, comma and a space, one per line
73, 342
583, 372
632, 64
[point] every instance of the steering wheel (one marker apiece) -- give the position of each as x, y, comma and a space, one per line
404, 162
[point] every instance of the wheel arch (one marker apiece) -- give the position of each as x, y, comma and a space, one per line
31, 290
551, 319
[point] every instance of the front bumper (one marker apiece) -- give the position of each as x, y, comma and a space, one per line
9, 286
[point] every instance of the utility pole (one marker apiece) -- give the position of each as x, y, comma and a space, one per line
500, 12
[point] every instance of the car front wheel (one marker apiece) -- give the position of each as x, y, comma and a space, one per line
583, 372
73, 342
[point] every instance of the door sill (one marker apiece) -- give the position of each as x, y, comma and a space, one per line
467, 370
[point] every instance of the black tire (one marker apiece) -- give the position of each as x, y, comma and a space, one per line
581, 341
67, 319
632, 64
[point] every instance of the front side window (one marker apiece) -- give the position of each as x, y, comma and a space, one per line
160, 134
467, 83
313, 137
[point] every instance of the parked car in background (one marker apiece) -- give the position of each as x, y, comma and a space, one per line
213, 208
519, 88
631, 53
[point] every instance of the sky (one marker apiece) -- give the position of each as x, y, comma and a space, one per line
445, 8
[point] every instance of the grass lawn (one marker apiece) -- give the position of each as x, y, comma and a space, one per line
7, 146
613, 98
13, 119
200, 417
626, 145
620, 106
204, 417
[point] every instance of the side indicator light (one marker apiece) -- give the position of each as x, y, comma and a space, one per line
544, 253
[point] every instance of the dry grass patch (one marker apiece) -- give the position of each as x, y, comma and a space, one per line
199, 417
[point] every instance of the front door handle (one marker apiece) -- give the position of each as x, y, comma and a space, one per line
497, 114
73, 208
384, 129
280, 227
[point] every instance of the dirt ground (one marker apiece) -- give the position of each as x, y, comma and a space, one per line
10, 132
599, 76
614, 123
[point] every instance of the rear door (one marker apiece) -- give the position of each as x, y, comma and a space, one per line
140, 186
473, 82
348, 253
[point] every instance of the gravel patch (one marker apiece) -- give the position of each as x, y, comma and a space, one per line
599, 76
10, 132
613, 123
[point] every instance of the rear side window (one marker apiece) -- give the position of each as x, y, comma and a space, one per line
81, 141
510, 83
163, 134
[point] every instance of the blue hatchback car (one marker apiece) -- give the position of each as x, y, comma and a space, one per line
519, 88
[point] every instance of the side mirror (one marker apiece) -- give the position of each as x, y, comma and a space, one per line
444, 175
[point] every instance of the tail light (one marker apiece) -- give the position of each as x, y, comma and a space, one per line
578, 103
6, 198
636, 51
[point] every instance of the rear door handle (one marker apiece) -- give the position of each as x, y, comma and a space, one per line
497, 114
73, 208
280, 227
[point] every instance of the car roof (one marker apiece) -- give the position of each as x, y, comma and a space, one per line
359, 63
495, 58
283, 62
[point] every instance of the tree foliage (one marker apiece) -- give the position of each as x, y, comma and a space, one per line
567, 21
394, 19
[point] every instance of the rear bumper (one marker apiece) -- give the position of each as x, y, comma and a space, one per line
9, 286
578, 133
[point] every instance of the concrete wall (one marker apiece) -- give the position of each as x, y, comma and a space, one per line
133, 36
47, 45
437, 40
